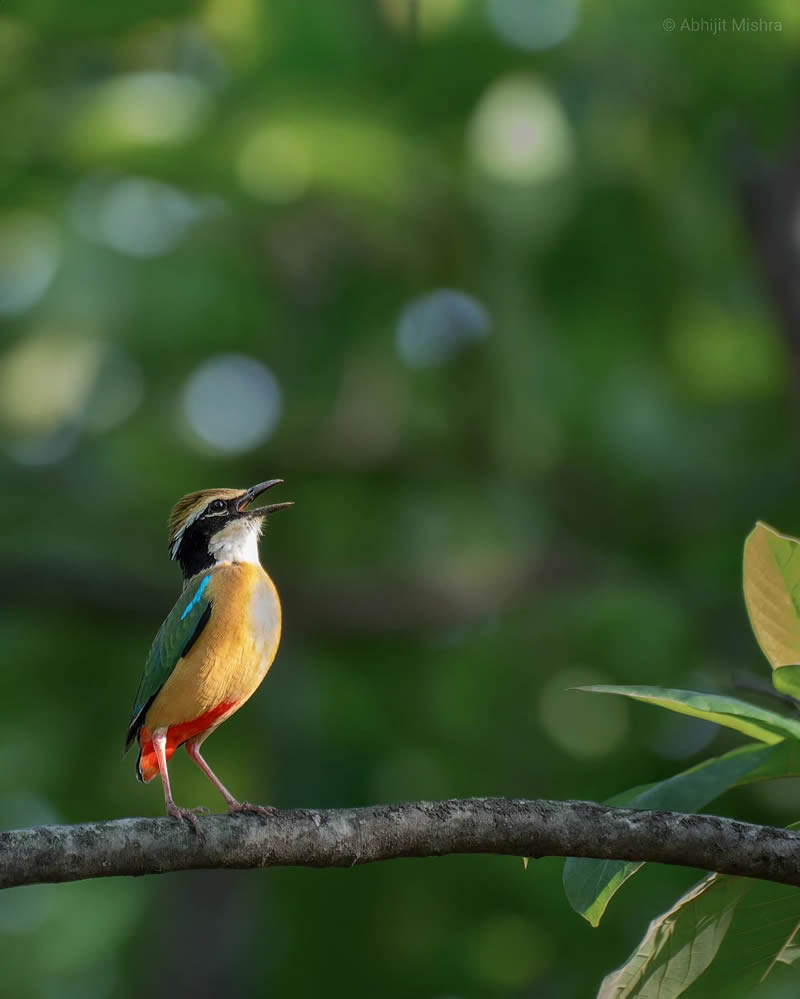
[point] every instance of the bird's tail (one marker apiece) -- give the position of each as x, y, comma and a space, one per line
147, 763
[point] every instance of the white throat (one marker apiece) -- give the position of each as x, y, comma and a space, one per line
238, 542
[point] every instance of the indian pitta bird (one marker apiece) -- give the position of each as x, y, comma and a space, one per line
218, 642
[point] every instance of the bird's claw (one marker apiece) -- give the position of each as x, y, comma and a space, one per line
189, 815
237, 807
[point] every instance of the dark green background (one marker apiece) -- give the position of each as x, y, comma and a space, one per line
560, 501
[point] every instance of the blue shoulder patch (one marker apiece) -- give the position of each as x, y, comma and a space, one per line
196, 598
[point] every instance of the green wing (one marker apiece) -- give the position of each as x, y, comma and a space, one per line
174, 639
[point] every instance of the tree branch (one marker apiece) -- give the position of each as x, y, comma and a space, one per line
345, 837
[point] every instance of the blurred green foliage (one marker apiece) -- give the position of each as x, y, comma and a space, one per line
476, 285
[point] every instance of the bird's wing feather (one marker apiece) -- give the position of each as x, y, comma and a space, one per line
175, 637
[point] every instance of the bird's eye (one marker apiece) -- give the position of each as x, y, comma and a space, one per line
217, 506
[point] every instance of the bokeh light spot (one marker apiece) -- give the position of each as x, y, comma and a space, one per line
151, 108
138, 216
242, 26
45, 380
274, 164
432, 17
578, 722
56, 383
435, 327
533, 24
232, 403
724, 354
30, 249
519, 133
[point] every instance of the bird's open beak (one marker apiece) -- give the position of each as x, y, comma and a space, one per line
256, 491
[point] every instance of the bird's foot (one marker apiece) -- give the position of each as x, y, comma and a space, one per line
189, 815
236, 807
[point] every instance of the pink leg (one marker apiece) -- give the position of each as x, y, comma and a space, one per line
181, 814
193, 749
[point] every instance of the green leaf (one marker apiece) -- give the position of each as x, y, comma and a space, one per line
757, 723
591, 884
679, 944
787, 953
787, 680
764, 931
772, 593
